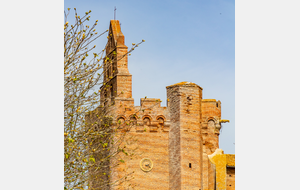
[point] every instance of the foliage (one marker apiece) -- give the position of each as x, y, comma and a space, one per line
88, 134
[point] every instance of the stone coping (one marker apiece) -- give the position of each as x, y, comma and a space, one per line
186, 84
208, 100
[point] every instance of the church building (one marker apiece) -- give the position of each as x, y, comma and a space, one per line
176, 147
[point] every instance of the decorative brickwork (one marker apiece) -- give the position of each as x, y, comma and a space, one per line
173, 143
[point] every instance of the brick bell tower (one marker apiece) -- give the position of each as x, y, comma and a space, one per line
117, 79
117, 83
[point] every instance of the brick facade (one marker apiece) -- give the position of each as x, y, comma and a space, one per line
171, 144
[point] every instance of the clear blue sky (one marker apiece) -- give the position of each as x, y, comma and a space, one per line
185, 41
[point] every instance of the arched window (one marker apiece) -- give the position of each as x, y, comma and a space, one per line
111, 91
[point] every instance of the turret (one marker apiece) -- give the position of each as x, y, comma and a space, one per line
185, 141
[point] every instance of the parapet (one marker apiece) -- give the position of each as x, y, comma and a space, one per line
187, 84
150, 102
209, 100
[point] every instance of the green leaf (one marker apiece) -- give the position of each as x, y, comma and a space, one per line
92, 159
104, 145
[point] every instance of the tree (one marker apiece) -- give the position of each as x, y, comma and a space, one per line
88, 136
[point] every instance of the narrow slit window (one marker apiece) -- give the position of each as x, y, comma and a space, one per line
190, 165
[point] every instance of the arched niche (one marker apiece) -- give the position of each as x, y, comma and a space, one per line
147, 120
133, 120
161, 120
121, 121
211, 124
